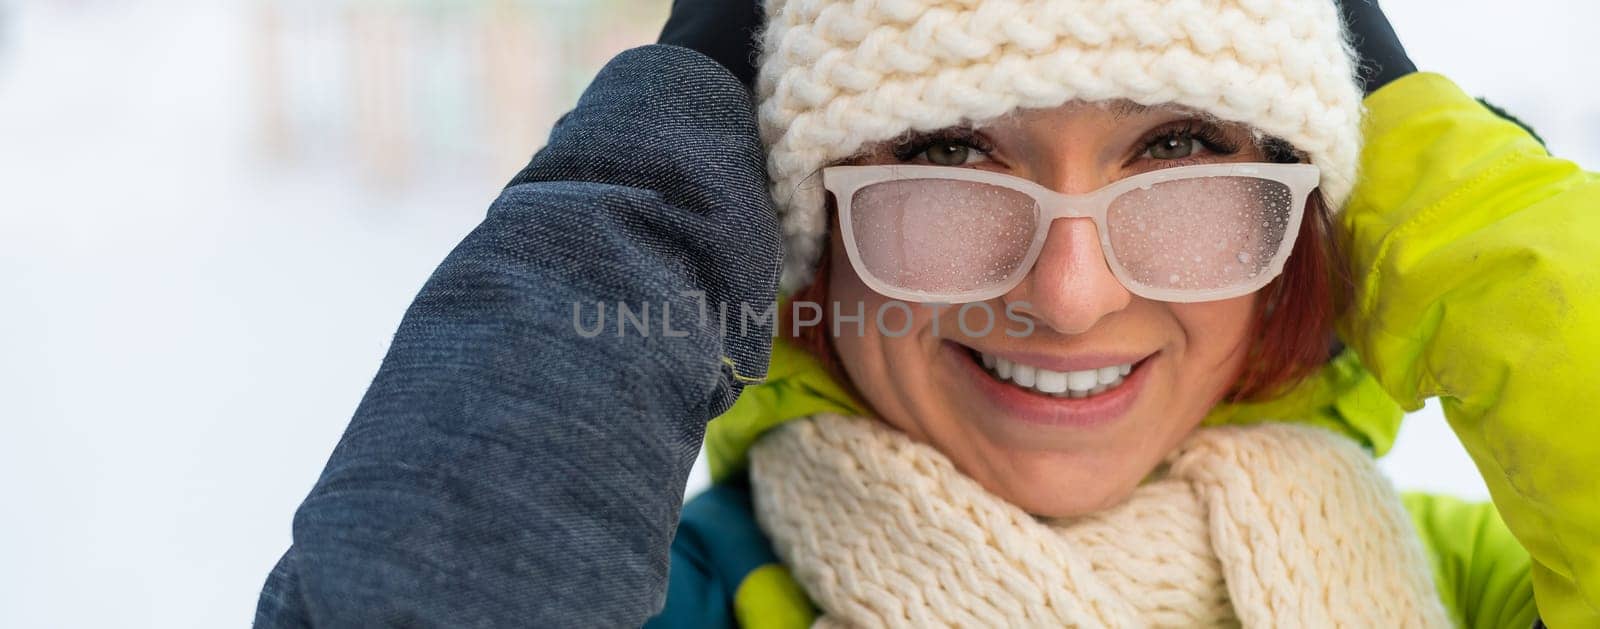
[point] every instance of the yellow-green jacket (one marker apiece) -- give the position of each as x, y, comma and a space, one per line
1476, 259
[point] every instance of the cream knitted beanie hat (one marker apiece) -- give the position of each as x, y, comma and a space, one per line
837, 75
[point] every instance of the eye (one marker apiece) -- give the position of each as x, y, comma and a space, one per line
947, 147
948, 154
1187, 141
1176, 146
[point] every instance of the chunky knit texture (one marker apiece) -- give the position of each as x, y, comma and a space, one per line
836, 75
1271, 525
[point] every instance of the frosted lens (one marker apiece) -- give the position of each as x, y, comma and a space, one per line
1200, 234
940, 235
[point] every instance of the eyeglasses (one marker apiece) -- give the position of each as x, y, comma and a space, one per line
1185, 234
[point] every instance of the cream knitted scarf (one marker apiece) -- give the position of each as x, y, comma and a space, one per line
1273, 525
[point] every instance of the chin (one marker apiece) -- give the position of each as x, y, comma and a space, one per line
1047, 486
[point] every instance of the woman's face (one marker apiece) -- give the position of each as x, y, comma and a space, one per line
1050, 455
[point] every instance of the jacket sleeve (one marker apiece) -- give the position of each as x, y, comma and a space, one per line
508, 466
1477, 280
1481, 571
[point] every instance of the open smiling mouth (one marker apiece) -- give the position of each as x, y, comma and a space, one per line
1061, 384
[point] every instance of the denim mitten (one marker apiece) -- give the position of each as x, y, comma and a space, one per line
510, 466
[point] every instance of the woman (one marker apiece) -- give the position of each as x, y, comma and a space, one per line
505, 469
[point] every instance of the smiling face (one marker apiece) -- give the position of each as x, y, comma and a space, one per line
1140, 374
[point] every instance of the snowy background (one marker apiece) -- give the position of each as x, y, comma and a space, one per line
212, 215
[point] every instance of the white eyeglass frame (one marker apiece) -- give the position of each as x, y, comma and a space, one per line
845, 181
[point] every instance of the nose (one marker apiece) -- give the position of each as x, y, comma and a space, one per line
1070, 288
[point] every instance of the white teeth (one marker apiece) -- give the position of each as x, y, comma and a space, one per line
1023, 375
1051, 381
1075, 384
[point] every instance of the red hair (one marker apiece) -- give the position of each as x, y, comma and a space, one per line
1293, 321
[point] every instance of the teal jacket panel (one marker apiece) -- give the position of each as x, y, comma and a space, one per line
718, 544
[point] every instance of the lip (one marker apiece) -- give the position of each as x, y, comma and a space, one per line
1042, 410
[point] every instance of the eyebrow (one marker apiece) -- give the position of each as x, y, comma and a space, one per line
1123, 109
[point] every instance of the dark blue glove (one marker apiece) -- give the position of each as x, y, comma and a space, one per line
724, 30
505, 470
1383, 59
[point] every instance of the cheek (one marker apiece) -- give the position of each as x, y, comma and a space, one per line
1217, 342
845, 292
886, 354
861, 349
